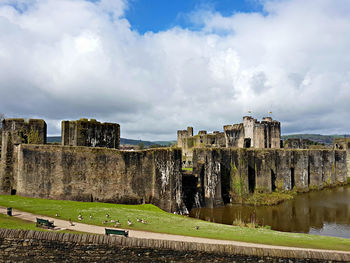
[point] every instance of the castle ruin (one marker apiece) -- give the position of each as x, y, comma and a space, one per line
254, 134
249, 134
226, 166
87, 167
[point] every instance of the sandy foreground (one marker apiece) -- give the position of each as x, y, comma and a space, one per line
63, 224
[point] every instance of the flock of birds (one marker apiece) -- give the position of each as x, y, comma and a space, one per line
116, 222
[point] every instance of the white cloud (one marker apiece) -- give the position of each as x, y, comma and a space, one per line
71, 59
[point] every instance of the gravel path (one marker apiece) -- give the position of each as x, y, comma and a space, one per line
63, 224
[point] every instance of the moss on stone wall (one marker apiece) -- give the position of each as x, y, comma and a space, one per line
190, 142
308, 167
236, 183
33, 137
101, 174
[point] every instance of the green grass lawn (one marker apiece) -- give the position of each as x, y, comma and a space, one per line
15, 223
11, 222
160, 221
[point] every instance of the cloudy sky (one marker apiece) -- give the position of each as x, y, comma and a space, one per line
156, 66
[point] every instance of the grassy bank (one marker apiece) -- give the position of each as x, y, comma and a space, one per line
160, 221
11, 222
15, 223
273, 198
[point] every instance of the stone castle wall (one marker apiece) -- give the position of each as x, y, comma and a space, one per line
90, 133
98, 174
226, 175
35, 246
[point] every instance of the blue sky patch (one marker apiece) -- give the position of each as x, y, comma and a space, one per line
159, 15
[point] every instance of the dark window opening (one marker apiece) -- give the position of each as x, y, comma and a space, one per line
292, 179
225, 184
247, 143
13, 191
273, 181
270, 145
189, 191
91, 198
251, 179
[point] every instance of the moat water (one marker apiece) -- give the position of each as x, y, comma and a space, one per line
325, 212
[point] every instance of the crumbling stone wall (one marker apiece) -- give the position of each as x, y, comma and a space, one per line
226, 175
343, 144
187, 142
234, 135
297, 143
15, 132
181, 134
249, 134
90, 133
32, 131
97, 174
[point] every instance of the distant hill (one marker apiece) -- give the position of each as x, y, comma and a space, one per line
325, 139
123, 141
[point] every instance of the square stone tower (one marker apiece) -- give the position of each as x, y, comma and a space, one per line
14, 133
254, 134
17, 131
90, 133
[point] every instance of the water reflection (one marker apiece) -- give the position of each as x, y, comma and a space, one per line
325, 212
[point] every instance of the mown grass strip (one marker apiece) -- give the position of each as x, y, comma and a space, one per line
162, 222
11, 222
